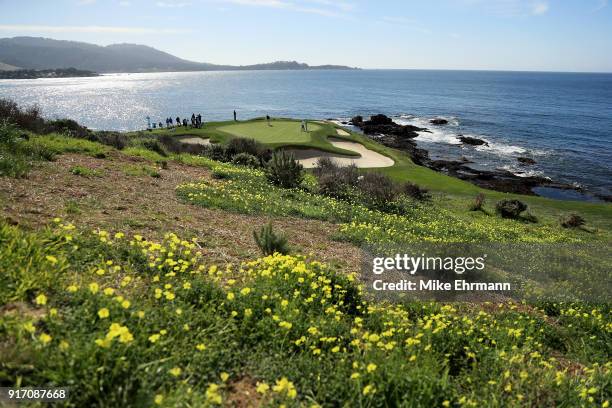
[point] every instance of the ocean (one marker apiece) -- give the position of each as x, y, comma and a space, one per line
561, 120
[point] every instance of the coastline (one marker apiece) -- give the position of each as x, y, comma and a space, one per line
384, 130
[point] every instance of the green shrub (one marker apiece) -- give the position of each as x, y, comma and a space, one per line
478, 203
269, 242
246, 159
239, 145
416, 192
283, 170
11, 165
84, 171
150, 144
510, 208
68, 127
378, 190
8, 133
572, 221
28, 118
217, 152
17, 153
335, 181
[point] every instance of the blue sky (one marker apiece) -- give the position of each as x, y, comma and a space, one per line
549, 35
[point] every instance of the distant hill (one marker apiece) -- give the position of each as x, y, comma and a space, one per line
7, 67
44, 73
45, 53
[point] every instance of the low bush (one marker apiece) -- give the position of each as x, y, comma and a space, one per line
239, 145
336, 181
149, 143
283, 170
572, 221
17, 152
414, 191
510, 208
217, 152
68, 127
115, 139
478, 203
378, 191
26, 118
269, 242
245, 159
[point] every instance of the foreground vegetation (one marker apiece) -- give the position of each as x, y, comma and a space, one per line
124, 319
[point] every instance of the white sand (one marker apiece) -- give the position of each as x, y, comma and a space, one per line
368, 158
195, 140
342, 132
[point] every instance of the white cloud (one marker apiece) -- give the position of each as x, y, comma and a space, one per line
85, 2
87, 29
539, 8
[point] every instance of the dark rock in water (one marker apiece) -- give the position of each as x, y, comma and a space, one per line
500, 180
406, 144
356, 120
384, 125
385, 131
393, 135
472, 141
344, 122
380, 119
526, 160
438, 121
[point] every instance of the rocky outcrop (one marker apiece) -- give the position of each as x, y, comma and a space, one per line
472, 141
438, 121
384, 130
384, 125
500, 180
527, 161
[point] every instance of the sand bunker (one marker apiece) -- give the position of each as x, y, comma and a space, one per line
195, 140
342, 132
367, 159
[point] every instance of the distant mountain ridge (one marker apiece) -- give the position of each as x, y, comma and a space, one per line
45, 53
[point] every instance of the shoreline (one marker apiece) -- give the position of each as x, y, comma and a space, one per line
384, 130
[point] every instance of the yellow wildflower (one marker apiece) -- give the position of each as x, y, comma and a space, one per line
103, 313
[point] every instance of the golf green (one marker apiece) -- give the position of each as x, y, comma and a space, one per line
279, 131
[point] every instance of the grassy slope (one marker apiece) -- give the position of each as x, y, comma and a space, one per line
468, 355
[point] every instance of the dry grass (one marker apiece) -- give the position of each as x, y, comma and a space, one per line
128, 201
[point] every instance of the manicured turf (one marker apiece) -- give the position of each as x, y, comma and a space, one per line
453, 192
282, 132
277, 132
